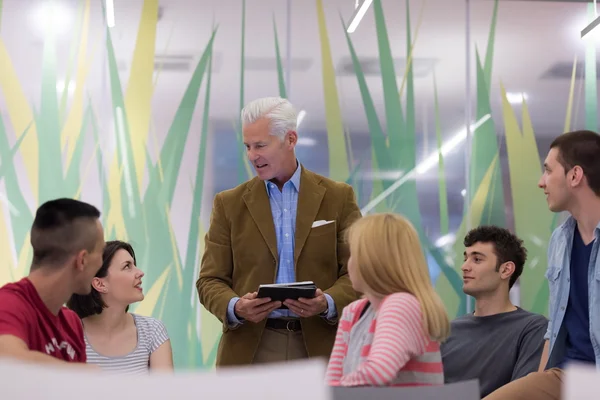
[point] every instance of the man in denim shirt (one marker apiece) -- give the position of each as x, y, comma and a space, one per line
571, 182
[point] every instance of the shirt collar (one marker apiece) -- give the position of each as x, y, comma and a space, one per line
295, 179
569, 225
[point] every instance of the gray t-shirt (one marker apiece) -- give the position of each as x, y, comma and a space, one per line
495, 349
151, 334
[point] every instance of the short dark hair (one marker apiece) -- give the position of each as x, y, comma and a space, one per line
580, 148
61, 228
92, 304
507, 247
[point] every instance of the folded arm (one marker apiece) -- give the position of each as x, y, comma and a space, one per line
14, 347
14, 326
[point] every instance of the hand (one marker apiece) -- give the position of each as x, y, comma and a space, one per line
253, 309
308, 307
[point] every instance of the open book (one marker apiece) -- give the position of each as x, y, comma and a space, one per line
284, 291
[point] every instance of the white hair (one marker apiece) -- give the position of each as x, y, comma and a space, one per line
280, 112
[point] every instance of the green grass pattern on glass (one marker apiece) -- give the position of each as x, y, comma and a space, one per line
280, 79
336, 138
443, 194
400, 153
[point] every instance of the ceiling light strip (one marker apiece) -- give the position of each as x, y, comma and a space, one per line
110, 13
425, 165
358, 15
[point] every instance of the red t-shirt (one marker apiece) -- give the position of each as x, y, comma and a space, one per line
24, 315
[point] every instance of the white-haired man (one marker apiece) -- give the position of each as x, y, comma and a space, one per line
265, 231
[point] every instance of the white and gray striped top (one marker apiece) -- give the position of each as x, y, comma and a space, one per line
151, 333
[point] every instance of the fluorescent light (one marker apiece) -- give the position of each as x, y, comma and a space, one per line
433, 159
52, 18
445, 240
358, 15
60, 87
110, 13
300, 117
425, 165
592, 25
516, 98
306, 141
381, 175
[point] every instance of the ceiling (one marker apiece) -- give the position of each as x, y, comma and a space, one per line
532, 55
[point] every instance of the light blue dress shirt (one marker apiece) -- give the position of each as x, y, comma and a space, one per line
559, 284
284, 205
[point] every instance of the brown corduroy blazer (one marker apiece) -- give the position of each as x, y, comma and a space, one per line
241, 253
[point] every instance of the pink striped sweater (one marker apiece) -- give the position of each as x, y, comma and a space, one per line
387, 347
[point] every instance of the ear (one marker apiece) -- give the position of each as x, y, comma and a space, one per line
291, 139
576, 176
507, 269
100, 285
81, 260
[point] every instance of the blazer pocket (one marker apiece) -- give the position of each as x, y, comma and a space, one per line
322, 230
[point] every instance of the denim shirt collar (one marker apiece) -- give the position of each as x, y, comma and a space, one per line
568, 228
295, 179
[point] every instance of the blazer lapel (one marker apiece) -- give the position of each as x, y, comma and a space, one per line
258, 204
309, 201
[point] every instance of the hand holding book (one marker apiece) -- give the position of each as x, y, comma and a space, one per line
302, 298
250, 307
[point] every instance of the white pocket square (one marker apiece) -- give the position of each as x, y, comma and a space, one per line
320, 222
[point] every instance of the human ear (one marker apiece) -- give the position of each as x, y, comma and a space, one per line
507, 269
81, 260
576, 175
292, 138
99, 285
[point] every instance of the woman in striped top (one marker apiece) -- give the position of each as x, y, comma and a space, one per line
391, 336
116, 340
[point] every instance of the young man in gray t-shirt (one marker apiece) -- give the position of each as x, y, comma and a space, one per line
499, 342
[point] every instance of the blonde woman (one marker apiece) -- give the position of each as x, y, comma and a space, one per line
391, 336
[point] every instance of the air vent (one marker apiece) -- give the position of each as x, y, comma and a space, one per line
270, 64
370, 66
564, 70
173, 62
177, 62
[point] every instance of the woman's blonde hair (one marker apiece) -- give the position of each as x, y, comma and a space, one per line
388, 257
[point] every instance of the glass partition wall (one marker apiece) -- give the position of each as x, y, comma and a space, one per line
441, 111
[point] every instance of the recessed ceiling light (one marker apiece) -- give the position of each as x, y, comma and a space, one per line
306, 141
516, 97
60, 87
52, 17
300, 118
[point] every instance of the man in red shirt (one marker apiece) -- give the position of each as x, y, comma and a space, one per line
67, 240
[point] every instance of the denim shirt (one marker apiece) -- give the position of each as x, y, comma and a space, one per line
559, 283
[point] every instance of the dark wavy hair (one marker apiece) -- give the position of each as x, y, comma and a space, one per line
92, 304
507, 247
